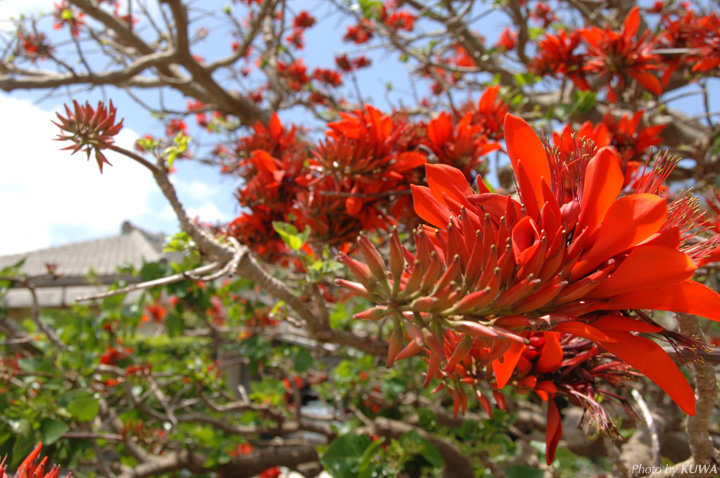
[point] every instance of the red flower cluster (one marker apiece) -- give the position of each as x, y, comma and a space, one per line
360, 33
358, 178
569, 263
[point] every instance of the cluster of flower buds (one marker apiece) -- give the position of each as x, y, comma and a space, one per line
570, 260
89, 129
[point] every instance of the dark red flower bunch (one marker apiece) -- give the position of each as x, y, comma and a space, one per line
574, 255
365, 160
543, 14
507, 40
89, 129
558, 56
399, 20
615, 55
360, 33
294, 74
548, 364
350, 64
33, 46
327, 77
488, 113
461, 145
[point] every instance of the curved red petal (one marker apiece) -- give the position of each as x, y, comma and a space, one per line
640, 271
688, 297
553, 432
629, 221
504, 370
524, 144
445, 179
603, 182
429, 208
653, 362
552, 354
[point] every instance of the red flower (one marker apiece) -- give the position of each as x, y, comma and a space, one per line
329, 77
155, 312
360, 33
400, 20
488, 113
543, 14
557, 56
303, 20
615, 54
33, 46
570, 256
507, 40
176, 126
295, 74
707, 42
273, 472
462, 146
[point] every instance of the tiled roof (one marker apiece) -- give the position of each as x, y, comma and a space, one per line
103, 255
132, 246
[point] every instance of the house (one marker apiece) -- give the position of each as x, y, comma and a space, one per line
82, 268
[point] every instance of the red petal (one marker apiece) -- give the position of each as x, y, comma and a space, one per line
629, 221
653, 362
646, 267
445, 179
429, 208
603, 182
688, 297
649, 81
439, 129
553, 432
523, 144
618, 323
581, 329
632, 24
552, 354
504, 370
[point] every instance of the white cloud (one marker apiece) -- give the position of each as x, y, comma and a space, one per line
208, 212
43, 189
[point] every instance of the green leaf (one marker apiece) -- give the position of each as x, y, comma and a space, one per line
518, 471
364, 469
175, 324
52, 430
84, 408
344, 455
290, 235
423, 448
303, 360
24, 441
584, 100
